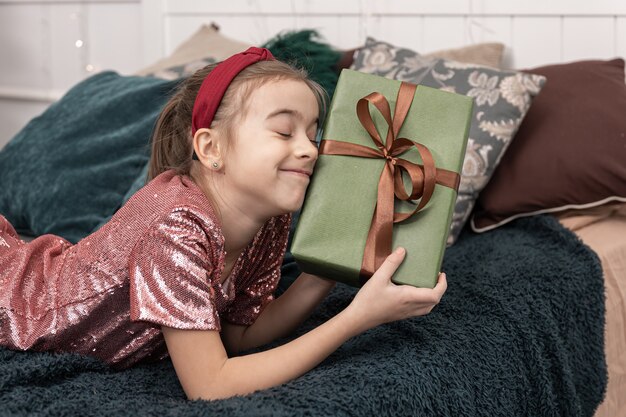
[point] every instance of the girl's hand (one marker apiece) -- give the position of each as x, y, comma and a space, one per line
381, 301
205, 370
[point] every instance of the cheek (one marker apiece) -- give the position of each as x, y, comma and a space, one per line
255, 165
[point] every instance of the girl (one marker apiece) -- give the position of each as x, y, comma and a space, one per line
188, 266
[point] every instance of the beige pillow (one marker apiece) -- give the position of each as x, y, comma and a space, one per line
206, 43
579, 219
488, 54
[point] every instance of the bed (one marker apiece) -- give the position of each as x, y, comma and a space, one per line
533, 320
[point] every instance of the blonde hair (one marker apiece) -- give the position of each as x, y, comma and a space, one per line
172, 142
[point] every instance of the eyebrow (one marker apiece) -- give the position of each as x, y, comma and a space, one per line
289, 112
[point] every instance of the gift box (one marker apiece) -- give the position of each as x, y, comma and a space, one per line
387, 175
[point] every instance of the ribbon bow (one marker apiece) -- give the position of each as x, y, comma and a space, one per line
423, 177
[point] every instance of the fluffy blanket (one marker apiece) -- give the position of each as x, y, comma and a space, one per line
519, 333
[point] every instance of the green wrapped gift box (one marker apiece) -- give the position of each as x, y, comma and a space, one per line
347, 224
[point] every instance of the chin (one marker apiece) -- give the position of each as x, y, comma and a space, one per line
295, 206
294, 209
291, 201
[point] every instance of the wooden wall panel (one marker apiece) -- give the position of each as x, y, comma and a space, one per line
535, 41
620, 37
403, 31
25, 53
588, 37
40, 36
444, 32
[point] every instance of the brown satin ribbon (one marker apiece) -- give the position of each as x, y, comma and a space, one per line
423, 177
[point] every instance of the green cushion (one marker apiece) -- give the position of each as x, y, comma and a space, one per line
306, 49
69, 169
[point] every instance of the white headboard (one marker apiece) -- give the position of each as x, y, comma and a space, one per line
47, 46
536, 32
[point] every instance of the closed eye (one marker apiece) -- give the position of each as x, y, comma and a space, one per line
288, 135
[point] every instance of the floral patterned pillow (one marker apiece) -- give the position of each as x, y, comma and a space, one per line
501, 100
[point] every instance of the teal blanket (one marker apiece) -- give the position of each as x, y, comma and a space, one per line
70, 168
518, 333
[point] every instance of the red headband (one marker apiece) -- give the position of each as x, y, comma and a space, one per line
215, 84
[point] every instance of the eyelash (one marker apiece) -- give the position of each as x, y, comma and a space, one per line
288, 135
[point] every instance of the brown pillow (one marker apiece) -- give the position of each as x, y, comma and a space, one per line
488, 54
569, 152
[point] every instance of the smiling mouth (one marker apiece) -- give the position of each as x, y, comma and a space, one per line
302, 174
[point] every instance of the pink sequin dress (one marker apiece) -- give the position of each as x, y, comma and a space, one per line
158, 261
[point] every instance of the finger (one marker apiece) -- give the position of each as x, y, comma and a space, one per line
392, 262
442, 285
431, 295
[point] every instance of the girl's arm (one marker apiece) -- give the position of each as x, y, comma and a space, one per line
206, 372
280, 317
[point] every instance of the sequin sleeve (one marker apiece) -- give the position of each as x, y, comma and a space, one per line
266, 260
169, 270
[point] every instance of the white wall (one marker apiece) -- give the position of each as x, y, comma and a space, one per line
41, 59
536, 32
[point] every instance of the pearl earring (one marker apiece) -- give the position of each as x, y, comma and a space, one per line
215, 165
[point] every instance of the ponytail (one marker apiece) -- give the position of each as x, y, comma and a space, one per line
168, 150
172, 146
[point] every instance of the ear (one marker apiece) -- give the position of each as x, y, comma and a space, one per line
206, 144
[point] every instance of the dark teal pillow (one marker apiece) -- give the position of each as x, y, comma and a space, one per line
307, 49
136, 185
70, 168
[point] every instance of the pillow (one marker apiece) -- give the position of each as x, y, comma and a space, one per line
69, 169
488, 54
305, 48
570, 152
204, 47
501, 100
139, 181
577, 219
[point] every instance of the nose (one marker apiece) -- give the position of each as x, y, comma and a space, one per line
305, 148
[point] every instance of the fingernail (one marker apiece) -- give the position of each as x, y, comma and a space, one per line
399, 250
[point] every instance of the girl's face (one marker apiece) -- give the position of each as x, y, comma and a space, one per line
275, 151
